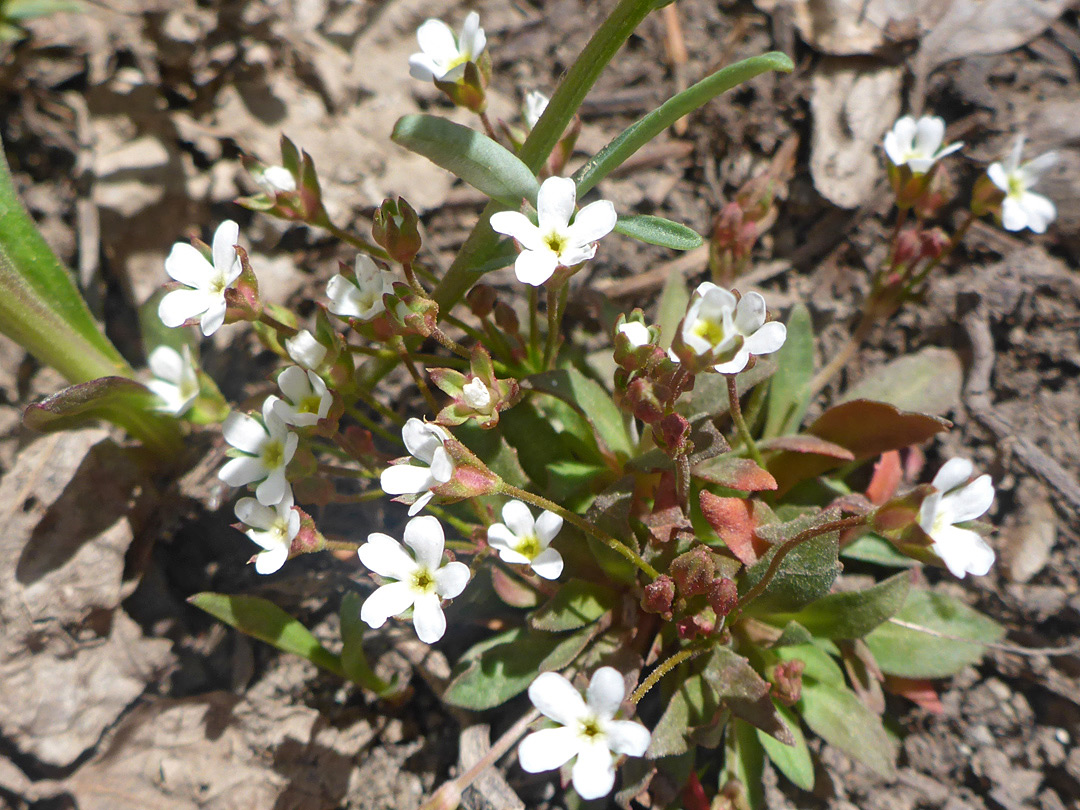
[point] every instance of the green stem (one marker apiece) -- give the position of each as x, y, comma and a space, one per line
552, 327
447, 342
372, 425
360, 244
685, 654
276, 325
534, 322
417, 378
740, 423
609, 541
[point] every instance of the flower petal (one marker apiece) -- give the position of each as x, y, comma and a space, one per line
224, 247
1037, 167
500, 536
472, 39
954, 473
179, 306
214, 316
515, 224
428, 618
389, 600
1040, 211
606, 692
188, 266
269, 561
420, 439
273, 489
548, 525
626, 737
451, 579
244, 432
548, 749
423, 67
509, 555
735, 364
970, 502
548, 564
929, 133
1013, 215
420, 503
305, 350
518, 518
555, 203
386, 557
573, 256
403, 479
535, 266
294, 384
239, 472
252, 513
766, 340
998, 177
442, 467
595, 221
437, 41
750, 313
963, 551
557, 698
424, 535
166, 364
594, 771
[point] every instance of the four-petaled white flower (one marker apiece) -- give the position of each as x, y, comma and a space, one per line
271, 527
526, 541
276, 180
555, 242
206, 283
958, 499
305, 350
176, 382
535, 104
306, 398
636, 332
425, 444
588, 731
730, 329
420, 581
1022, 207
269, 446
917, 144
443, 56
476, 395
364, 298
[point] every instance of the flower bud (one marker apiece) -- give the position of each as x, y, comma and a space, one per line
395, 226
691, 627
693, 571
242, 298
506, 319
723, 596
659, 596
309, 539
410, 313
933, 243
787, 681
641, 400
674, 435
481, 300
907, 249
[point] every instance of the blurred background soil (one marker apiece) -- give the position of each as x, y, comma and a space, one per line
124, 126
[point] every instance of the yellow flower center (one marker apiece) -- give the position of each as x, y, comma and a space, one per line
556, 242
273, 455
590, 728
309, 404
710, 331
528, 546
423, 581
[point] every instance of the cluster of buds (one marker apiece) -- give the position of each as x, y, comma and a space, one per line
500, 322
477, 396
737, 228
396, 227
647, 382
692, 587
289, 190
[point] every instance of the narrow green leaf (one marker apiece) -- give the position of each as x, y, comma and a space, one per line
792, 760
928, 382
576, 604
853, 614
262, 619
353, 660
674, 299
873, 548
504, 668
569, 648
28, 9
658, 231
841, 719
806, 573
789, 389
954, 637
649, 126
690, 706
744, 762
470, 155
589, 397
741, 689
818, 664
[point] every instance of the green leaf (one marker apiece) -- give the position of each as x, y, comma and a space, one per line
873, 548
805, 574
792, 760
744, 762
841, 719
819, 665
470, 155
28, 9
353, 661
690, 706
569, 648
789, 389
576, 604
674, 299
928, 382
574, 481
589, 397
506, 666
534, 439
912, 653
649, 126
658, 231
853, 614
492, 448
262, 619
739, 687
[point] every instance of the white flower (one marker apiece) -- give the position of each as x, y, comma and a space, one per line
206, 282
306, 398
958, 499
917, 144
535, 104
270, 446
305, 350
177, 383
444, 56
272, 527
420, 581
587, 731
555, 242
715, 322
526, 541
1022, 207
636, 332
276, 180
425, 444
476, 395
364, 298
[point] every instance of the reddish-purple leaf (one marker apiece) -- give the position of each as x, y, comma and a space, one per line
812, 445
735, 473
730, 518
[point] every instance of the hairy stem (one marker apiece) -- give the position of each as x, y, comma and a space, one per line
740, 423
685, 654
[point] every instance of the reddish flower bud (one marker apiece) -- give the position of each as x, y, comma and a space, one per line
481, 300
908, 247
723, 596
674, 434
506, 319
395, 226
693, 571
933, 243
659, 595
787, 681
691, 627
